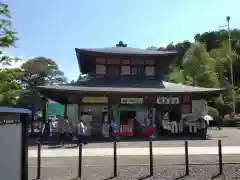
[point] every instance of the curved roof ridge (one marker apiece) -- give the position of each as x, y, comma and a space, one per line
189, 86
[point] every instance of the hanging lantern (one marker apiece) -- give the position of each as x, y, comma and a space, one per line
74, 99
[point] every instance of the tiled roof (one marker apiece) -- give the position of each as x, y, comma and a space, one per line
125, 50
130, 86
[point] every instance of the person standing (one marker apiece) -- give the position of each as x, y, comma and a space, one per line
81, 132
68, 130
45, 131
63, 129
204, 127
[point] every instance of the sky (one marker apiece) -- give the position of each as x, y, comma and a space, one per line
54, 28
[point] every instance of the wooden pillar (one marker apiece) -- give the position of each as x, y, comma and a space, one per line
44, 113
79, 108
154, 117
152, 104
32, 117
65, 110
110, 115
79, 112
114, 105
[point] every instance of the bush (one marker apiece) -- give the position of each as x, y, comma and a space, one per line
213, 112
230, 120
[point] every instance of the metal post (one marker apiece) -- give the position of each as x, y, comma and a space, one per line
220, 156
115, 158
80, 160
231, 64
151, 158
186, 158
39, 160
24, 148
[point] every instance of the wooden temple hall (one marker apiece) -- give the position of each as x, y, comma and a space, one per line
127, 96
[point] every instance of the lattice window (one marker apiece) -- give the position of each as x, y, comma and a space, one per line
150, 71
125, 70
100, 69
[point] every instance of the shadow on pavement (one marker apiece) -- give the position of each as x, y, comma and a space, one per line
144, 177
219, 175
181, 177
55, 141
112, 177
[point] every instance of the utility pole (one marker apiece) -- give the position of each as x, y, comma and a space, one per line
231, 65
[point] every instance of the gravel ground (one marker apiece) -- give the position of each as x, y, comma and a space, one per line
205, 172
136, 167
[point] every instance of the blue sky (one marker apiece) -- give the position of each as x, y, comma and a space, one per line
53, 28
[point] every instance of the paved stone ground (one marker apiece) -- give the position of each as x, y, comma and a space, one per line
136, 167
229, 137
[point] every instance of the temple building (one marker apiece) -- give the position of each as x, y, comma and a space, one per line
127, 96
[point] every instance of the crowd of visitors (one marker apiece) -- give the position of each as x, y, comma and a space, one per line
67, 130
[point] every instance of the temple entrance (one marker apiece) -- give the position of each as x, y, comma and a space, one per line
133, 120
94, 117
126, 116
168, 119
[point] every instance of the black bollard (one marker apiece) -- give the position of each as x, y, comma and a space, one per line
186, 158
80, 160
220, 156
151, 158
39, 160
115, 158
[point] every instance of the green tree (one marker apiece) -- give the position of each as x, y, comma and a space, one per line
10, 86
222, 65
8, 60
197, 68
83, 77
214, 39
7, 36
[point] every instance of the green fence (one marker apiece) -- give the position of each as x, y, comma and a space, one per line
54, 109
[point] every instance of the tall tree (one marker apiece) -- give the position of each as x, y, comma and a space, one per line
181, 48
40, 71
214, 39
222, 64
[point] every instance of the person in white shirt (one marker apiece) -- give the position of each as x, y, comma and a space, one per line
66, 129
81, 132
60, 126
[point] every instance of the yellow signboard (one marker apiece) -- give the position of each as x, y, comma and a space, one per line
95, 100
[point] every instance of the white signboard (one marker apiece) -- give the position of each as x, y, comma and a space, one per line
131, 100
168, 100
10, 151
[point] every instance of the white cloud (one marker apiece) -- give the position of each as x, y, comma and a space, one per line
14, 64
